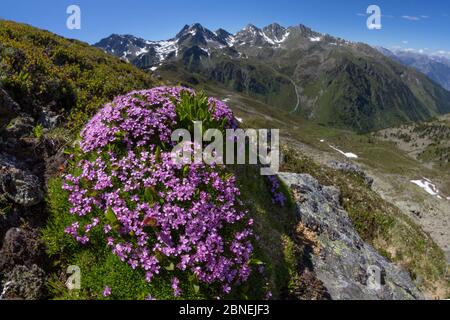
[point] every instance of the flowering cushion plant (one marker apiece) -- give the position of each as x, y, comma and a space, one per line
161, 217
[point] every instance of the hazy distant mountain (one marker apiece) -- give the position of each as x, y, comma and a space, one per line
435, 67
326, 79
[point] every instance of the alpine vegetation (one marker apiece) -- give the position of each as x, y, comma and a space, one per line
155, 214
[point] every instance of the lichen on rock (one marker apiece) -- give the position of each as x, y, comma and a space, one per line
349, 268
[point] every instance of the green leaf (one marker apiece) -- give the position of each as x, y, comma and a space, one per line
111, 216
185, 171
148, 195
170, 267
158, 153
196, 288
256, 262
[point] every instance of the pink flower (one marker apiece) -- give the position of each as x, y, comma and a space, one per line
107, 292
150, 207
175, 287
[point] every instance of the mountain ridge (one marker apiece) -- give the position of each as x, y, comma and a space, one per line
437, 68
326, 79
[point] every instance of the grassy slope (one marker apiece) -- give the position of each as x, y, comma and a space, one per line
247, 77
41, 69
365, 93
428, 142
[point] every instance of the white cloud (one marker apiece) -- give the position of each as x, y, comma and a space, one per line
425, 51
405, 42
424, 17
442, 53
411, 18
383, 15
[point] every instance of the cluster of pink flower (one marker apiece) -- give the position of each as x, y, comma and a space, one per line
156, 213
278, 196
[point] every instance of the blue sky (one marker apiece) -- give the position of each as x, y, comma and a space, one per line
408, 24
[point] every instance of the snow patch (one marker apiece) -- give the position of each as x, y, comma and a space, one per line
285, 36
267, 38
230, 41
164, 48
346, 154
142, 51
206, 50
428, 186
315, 39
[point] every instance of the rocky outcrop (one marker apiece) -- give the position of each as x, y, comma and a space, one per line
20, 127
22, 256
20, 247
349, 268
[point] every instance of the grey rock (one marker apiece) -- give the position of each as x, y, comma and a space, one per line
23, 282
20, 127
21, 188
349, 268
352, 168
20, 247
8, 108
8, 161
49, 120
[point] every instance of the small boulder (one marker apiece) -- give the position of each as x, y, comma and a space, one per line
20, 247
20, 127
21, 188
27, 283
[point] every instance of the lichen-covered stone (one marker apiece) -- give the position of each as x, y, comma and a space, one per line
21, 188
20, 127
20, 247
23, 282
349, 268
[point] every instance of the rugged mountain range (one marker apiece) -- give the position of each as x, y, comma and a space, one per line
323, 78
435, 67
